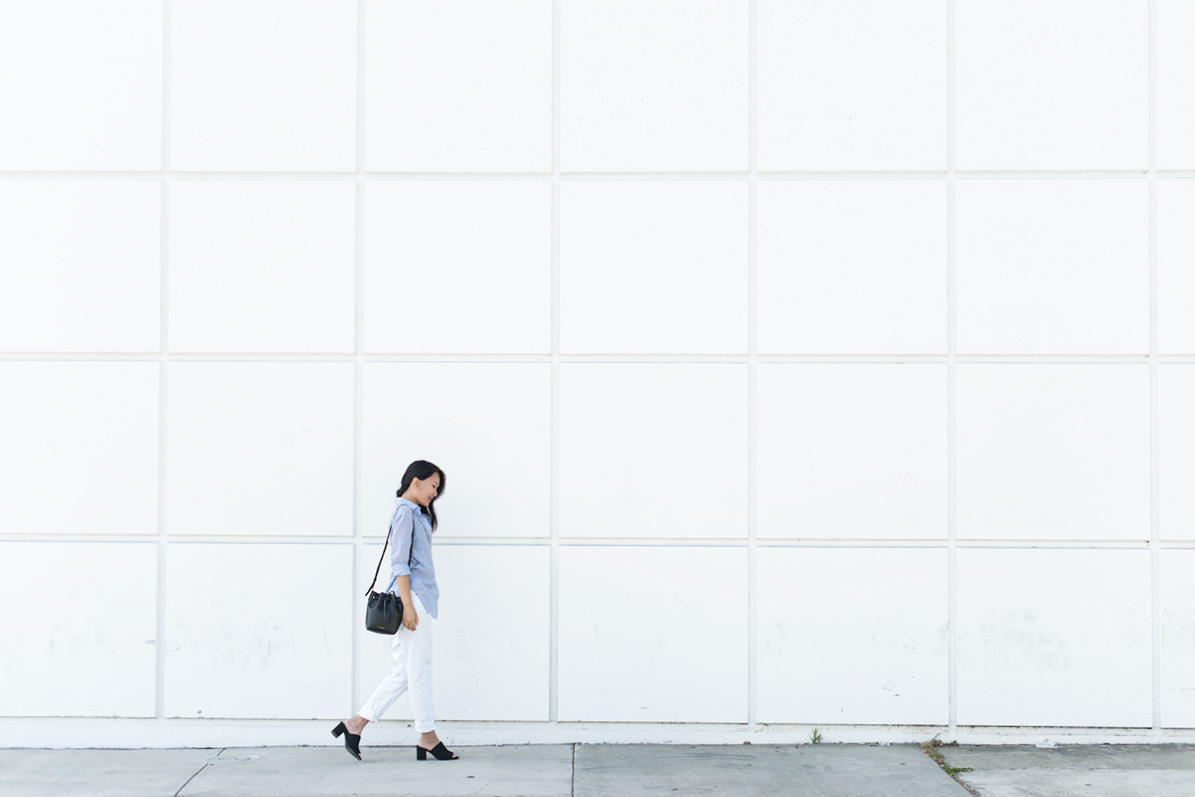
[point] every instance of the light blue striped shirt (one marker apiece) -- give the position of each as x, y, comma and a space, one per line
411, 536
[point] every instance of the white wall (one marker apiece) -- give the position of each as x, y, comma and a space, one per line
792, 363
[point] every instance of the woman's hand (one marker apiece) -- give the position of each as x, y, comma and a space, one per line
409, 618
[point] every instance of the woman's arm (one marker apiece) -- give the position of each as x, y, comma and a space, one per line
400, 554
409, 618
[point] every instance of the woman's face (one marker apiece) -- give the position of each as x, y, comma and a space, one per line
424, 490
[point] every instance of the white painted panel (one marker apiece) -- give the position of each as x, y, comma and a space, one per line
1053, 452
852, 85
1061, 85
1176, 575
263, 86
258, 630
459, 267
851, 451
486, 424
260, 448
1176, 266
852, 636
81, 85
653, 85
1176, 452
484, 669
78, 630
1174, 45
653, 450
463, 85
653, 267
653, 634
1053, 267
79, 448
262, 267
1054, 637
84, 262
849, 267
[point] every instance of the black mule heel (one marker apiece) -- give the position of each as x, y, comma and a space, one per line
441, 753
352, 741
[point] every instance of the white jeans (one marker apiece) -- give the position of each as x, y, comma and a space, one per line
412, 651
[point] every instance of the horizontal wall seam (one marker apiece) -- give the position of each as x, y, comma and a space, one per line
547, 176
604, 359
637, 542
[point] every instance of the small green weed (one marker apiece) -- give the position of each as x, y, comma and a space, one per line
815, 736
930, 748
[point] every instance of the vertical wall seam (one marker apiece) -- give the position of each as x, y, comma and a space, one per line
163, 372
1154, 404
951, 387
752, 330
554, 431
358, 363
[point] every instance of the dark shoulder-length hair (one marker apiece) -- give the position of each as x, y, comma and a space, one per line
421, 469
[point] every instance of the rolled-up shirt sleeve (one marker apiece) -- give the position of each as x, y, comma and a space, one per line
400, 544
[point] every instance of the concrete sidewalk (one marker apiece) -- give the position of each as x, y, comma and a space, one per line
1104, 770
535, 771
827, 770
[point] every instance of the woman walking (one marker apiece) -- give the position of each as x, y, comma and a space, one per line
413, 578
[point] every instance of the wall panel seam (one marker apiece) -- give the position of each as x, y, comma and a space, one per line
358, 366
951, 384
507, 177
163, 373
624, 359
641, 542
752, 368
1154, 491
554, 359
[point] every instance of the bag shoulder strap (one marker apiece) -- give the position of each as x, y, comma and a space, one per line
387, 545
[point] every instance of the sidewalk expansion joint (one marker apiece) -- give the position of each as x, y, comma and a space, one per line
206, 764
